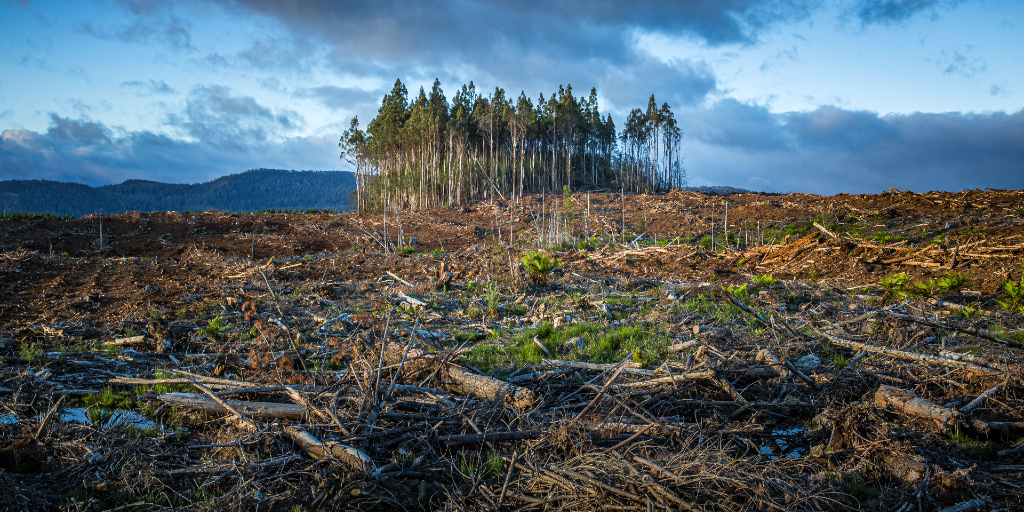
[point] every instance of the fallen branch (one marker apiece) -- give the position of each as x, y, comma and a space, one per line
251, 409
352, 457
461, 381
856, 345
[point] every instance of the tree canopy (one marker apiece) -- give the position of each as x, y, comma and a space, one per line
429, 151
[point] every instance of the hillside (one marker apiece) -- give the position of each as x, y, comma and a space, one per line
244, 192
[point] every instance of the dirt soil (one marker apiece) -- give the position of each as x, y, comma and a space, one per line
662, 357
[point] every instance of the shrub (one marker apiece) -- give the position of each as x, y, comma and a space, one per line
539, 265
217, 328
1013, 294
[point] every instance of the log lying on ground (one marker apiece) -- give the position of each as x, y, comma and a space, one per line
457, 380
908, 403
899, 354
251, 409
348, 455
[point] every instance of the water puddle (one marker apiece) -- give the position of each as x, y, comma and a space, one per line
8, 419
108, 418
781, 442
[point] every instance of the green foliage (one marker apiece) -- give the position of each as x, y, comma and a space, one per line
216, 328
111, 399
853, 486
972, 448
638, 342
539, 265
492, 295
1013, 294
899, 286
405, 251
765, 280
29, 351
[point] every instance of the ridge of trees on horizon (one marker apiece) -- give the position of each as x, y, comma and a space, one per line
428, 152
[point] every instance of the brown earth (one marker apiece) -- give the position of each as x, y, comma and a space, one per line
712, 413
141, 264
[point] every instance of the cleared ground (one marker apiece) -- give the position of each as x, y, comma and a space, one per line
658, 367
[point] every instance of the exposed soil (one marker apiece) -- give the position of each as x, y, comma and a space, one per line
269, 300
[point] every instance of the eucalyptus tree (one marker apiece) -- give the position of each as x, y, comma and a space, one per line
434, 152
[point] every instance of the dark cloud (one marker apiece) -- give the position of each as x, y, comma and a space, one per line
149, 88
340, 98
677, 83
831, 150
892, 12
81, 131
88, 152
214, 114
519, 46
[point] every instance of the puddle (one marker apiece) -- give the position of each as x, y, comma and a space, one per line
8, 419
779, 445
116, 418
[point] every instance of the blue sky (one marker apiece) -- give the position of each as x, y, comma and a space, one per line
788, 95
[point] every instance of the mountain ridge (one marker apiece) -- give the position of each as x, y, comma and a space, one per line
247, 191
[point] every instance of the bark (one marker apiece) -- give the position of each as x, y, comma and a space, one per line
908, 403
348, 455
458, 380
250, 409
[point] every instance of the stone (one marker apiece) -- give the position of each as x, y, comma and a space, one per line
807, 364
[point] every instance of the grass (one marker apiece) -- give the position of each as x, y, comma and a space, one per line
972, 448
600, 346
111, 399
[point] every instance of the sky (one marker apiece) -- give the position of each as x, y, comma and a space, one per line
781, 96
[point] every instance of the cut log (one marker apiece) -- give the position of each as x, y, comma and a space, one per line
352, 457
908, 403
458, 380
132, 340
251, 409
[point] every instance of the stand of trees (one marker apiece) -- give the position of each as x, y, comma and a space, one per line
430, 152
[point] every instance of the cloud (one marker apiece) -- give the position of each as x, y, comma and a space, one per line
340, 98
999, 90
215, 115
148, 22
89, 152
894, 12
149, 88
956, 62
6, 113
831, 150
530, 45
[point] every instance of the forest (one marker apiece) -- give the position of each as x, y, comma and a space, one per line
430, 152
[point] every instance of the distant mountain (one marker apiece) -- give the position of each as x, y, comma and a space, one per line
719, 190
248, 191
